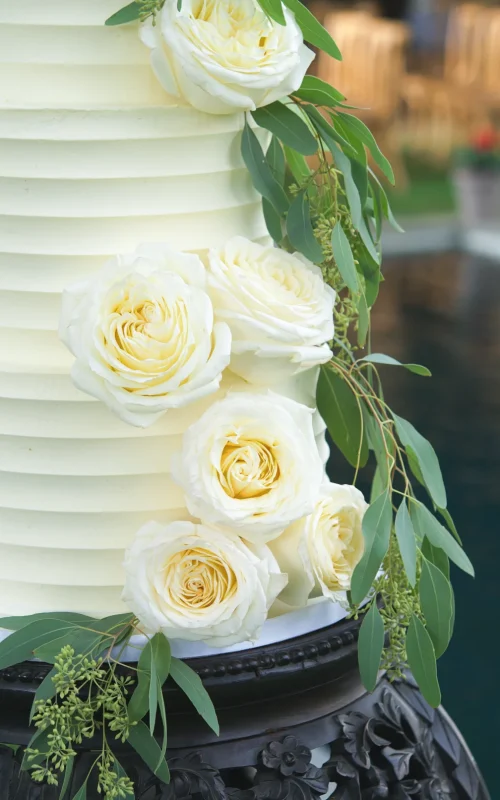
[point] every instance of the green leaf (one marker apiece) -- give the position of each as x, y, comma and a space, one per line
439, 536
39, 741
340, 410
384, 202
190, 683
370, 646
372, 278
128, 14
273, 221
147, 747
380, 358
378, 484
422, 661
83, 643
449, 521
81, 793
163, 715
287, 126
260, 171
344, 258
436, 556
297, 165
156, 650
383, 447
407, 542
377, 524
276, 160
21, 644
365, 136
67, 777
45, 691
312, 30
363, 320
314, 90
300, 231
436, 602
331, 137
153, 697
273, 9
427, 459
16, 623
122, 774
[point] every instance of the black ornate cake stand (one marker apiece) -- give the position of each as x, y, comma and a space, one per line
275, 705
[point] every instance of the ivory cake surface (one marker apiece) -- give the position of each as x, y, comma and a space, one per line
94, 159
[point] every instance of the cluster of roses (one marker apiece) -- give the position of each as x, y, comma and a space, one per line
155, 331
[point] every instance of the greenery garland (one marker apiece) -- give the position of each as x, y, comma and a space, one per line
331, 208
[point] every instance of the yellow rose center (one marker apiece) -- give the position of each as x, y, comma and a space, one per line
199, 579
248, 468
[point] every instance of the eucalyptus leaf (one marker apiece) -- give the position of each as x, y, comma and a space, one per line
276, 159
314, 90
129, 13
370, 646
449, 521
16, 623
156, 650
342, 414
364, 134
287, 126
190, 683
273, 221
378, 484
300, 231
422, 661
81, 793
407, 542
427, 459
147, 748
153, 697
21, 644
45, 691
68, 772
372, 285
163, 715
381, 358
83, 642
312, 30
436, 556
260, 171
384, 201
439, 536
331, 137
363, 320
436, 602
296, 164
344, 258
122, 774
273, 9
377, 525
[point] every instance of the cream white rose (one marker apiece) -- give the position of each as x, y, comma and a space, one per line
251, 464
223, 56
319, 553
197, 583
143, 334
279, 309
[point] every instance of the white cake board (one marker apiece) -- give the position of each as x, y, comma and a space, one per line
317, 614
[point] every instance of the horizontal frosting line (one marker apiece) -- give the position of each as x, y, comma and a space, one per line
109, 494
49, 568
125, 198
40, 386
118, 124
69, 45
88, 457
59, 12
78, 531
79, 87
93, 236
123, 159
29, 310
18, 597
63, 420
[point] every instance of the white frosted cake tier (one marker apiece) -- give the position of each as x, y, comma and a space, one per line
94, 160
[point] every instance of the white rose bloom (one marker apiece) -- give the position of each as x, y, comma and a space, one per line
223, 56
143, 334
279, 309
197, 583
319, 553
251, 463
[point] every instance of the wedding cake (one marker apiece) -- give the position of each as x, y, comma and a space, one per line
98, 160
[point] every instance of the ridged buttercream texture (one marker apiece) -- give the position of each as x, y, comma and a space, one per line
94, 160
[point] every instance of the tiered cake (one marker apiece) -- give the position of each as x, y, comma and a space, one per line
95, 158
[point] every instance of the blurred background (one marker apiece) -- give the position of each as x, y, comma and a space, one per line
426, 76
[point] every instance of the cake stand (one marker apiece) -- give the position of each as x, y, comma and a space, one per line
296, 724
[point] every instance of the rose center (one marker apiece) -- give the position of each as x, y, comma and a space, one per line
248, 468
199, 579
